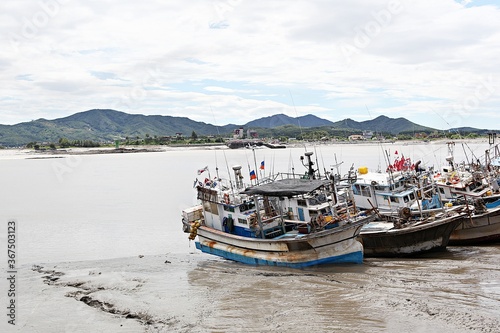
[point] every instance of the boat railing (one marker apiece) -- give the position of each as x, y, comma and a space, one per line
270, 219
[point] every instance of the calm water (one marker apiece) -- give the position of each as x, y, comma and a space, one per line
89, 207
81, 209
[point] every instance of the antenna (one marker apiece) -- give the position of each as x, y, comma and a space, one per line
368, 112
224, 153
297, 117
447, 123
255, 162
317, 164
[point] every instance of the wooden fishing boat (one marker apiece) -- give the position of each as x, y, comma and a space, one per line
408, 235
411, 217
478, 186
281, 221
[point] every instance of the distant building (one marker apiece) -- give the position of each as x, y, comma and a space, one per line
252, 134
238, 133
367, 135
356, 137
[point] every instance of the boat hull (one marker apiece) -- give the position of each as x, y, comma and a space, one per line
478, 229
413, 240
324, 247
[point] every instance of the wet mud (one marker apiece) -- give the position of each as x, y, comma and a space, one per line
457, 290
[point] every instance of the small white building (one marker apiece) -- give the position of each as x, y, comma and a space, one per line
356, 137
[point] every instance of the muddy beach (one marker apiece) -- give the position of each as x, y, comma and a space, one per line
457, 290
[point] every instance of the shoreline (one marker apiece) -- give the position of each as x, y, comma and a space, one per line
164, 148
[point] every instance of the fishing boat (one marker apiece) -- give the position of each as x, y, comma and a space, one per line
409, 235
478, 186
411, 218
402, 185
283, 220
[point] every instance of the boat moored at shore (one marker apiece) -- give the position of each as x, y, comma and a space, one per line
284, 220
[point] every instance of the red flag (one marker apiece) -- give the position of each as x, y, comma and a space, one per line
200, 171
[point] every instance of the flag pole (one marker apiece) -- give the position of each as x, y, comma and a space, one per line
255, 162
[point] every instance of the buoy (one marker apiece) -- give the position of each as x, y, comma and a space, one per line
363, 170
194, 230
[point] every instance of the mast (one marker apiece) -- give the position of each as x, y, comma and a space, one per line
449, 158
255, 162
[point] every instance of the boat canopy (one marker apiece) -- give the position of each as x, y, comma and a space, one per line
286, 187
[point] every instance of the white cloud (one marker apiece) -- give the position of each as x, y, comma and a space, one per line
219, 89
242, 59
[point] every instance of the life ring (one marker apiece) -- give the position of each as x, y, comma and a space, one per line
226, 198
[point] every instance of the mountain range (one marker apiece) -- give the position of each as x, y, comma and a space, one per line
109, 125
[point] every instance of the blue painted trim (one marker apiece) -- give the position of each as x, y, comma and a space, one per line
245, 232
493, 204
355, 258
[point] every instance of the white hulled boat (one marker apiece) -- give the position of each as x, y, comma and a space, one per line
283, 221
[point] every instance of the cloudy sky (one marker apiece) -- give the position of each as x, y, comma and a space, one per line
436, 63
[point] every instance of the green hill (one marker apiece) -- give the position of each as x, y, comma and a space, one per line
109, 125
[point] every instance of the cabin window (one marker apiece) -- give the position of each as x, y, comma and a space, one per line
313, 202
321, 198
406, 199
242, 221
394, 199
247, 206
412, 196
210, 207
228, 208
302, 202
355, 189
441, 190
365, 191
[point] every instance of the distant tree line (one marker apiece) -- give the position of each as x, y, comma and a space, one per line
282, 133
65, 143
